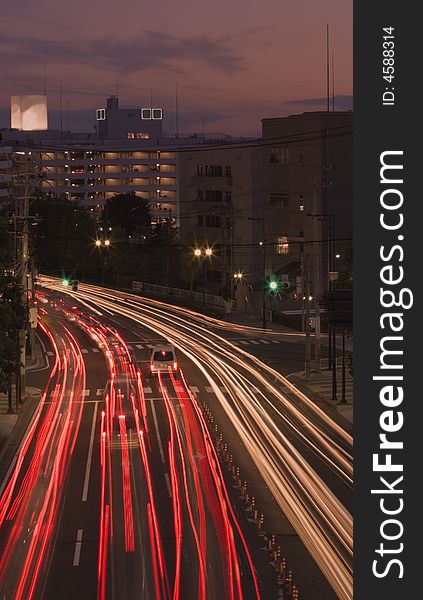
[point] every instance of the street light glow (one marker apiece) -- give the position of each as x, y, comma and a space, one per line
107, 242
209, 251
197, 252
98, 243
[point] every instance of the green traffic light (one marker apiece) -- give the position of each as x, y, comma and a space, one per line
65, 282
273, 285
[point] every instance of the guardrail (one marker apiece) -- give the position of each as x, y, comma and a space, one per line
168, 291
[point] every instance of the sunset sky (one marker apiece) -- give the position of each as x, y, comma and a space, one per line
235, 61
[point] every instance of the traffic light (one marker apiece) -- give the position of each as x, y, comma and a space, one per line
65, 282
273, 285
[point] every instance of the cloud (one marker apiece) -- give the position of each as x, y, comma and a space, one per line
150, 50
341, 102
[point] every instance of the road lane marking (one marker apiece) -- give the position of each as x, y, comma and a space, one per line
147, 390
194, 389
254, 342
95, 349
49, 353
209, 390
90, 456
156, 426
84, 351
99, 392
244, 342
78, 544
86, 392
264, 341
139, 346
149, 345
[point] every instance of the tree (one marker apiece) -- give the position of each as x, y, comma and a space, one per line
128, 212
63, 240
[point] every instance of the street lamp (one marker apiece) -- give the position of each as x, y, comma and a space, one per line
100, 243
263, 255
208, 253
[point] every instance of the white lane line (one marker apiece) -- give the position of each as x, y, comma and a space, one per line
194, 389
99, 392
209, 390
86, 392
254, 342
276, 341
149, 345
84, 351
95, 349
156, 426
78, 544
169, 487
244, 342
264, 341
139, 346
49, 353
90, 456
147, 390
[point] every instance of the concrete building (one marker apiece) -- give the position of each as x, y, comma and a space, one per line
286, 190
128, 123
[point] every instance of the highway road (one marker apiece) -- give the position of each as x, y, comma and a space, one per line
116, 490
303, 457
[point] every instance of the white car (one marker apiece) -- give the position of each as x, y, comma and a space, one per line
163, 357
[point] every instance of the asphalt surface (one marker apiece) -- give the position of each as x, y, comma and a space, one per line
146, 509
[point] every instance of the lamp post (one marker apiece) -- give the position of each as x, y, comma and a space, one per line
263, 255
101, 243
204, 254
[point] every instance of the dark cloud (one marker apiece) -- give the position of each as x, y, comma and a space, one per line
151, 50
341, 102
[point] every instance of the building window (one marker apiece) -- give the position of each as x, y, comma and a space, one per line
279, 199
157, 113
228, 196
228, 171
200, 195
214, 195
142, 136
200, 221
101, 114
279, 155
282, 245
146, 113
131, 136
210, 170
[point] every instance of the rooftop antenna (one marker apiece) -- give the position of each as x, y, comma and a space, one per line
117, 89
45, 79
67, 115
176, 111
333, 82
61, 110
327, 65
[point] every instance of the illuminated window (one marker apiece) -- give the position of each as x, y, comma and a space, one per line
146, 113
282, 245
142, 136
131, 136
101, 114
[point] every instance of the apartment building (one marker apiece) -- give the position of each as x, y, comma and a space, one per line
274, 206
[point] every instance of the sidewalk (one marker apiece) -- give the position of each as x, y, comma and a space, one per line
319, 386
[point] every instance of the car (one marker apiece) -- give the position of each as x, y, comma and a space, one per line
163, 357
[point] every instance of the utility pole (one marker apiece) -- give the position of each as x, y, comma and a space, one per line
263, 266
307, 328
316, 276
